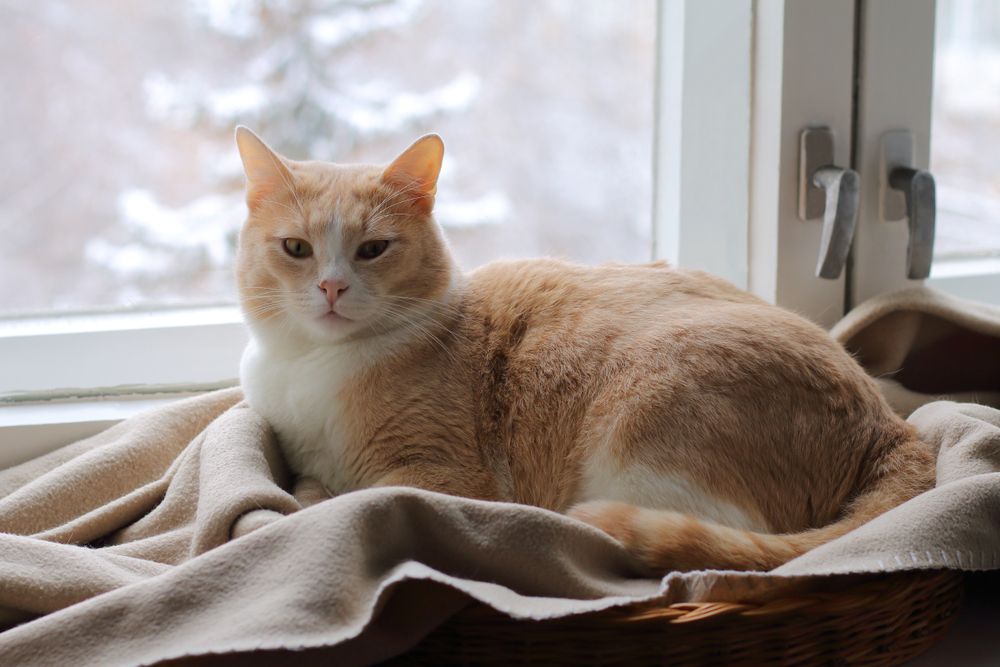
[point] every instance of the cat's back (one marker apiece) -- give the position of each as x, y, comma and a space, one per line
566, 321
672, 356
551, 290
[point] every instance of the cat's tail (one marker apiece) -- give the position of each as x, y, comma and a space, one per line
665, 540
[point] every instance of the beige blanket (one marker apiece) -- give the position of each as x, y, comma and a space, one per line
179, 533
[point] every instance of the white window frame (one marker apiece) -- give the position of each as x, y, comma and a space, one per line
112, 366
701, 199
116, 354
977, 279
896, 71
896, 92
803, 64
726, 182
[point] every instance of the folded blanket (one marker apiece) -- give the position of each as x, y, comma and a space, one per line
179, 533
923, 344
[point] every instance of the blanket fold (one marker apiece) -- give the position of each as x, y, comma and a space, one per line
181, 533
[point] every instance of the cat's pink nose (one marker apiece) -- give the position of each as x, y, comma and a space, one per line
333, 289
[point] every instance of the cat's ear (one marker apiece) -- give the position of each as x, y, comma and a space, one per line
265, 170
417, 168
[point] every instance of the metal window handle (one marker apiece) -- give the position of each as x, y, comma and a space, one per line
831, 192
843, 191
918, 188
908, 192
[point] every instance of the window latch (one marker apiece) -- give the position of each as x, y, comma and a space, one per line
907, 192
829, 192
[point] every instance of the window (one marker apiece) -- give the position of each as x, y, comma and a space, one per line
593, 129
131, 194
965, 148
125, 189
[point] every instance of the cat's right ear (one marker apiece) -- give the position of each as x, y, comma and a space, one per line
266, 172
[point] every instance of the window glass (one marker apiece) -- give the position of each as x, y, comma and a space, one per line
120, 186
965, 133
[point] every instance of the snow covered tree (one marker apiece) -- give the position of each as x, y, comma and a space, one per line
281, 78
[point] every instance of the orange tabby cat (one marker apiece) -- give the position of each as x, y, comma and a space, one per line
693, 422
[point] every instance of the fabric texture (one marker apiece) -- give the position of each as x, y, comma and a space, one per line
181, 533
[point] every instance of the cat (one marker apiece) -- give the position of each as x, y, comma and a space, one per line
693, 422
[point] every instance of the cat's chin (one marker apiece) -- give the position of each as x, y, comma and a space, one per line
332, 318
331, 327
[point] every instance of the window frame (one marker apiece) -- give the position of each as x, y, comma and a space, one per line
123, 353
702, 136
896, 90
118, 364
803, 76
977, 279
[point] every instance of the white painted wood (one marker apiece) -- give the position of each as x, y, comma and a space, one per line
27, 431
703, 135
976, 279
895, 89
803, 58
88, 355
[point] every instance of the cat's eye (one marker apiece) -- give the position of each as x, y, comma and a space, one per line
372, 249
297, 248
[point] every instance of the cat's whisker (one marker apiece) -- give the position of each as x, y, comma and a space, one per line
384, 209
430, 309
383, 217
420, 330
396, 198
282, 171
398, 203
287, 219
272, 200
440, 318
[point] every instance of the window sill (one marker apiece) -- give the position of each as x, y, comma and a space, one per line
83, 356
975, 278
28, 430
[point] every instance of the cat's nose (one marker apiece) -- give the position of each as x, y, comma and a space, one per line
333, 289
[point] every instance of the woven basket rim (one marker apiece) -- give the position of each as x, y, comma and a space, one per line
873, 587
876, 620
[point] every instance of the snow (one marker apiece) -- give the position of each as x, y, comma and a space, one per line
378, 108
970, 80
333, 31
169, 100
128, 260
493, 208
236, 18
161, 235
239, 101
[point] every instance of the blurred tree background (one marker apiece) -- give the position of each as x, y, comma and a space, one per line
121, 187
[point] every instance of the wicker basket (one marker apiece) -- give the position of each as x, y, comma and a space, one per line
879, 620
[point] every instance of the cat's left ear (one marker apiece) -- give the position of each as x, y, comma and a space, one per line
417, 168
265, 170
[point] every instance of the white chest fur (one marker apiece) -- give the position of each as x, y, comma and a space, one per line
297, 394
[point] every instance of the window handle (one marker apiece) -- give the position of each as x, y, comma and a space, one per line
909, 193
831, 192
918, 188
843, 190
